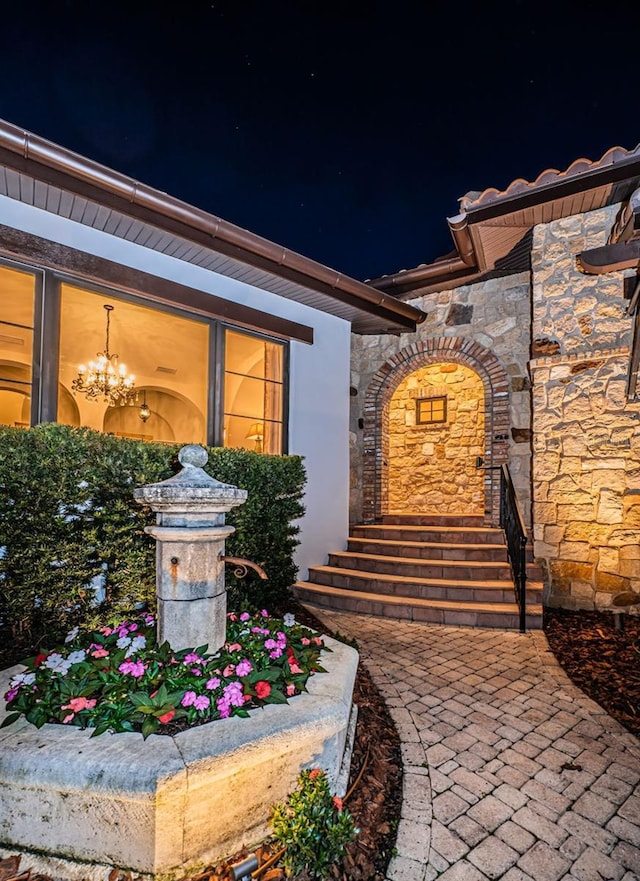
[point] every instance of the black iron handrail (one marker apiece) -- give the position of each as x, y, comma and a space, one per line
512, 521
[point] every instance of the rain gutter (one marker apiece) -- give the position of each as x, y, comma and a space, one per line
61, 167
463, 264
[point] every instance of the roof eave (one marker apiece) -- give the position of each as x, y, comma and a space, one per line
27, 152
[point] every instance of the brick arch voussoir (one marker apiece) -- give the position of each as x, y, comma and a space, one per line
380, 391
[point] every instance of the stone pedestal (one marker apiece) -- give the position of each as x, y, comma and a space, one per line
191, 532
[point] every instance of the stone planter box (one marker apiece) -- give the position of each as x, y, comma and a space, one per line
76, 806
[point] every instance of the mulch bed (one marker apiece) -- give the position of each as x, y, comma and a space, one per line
601, 660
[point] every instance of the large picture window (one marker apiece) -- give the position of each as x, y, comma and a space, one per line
253, 392
192, 380
17, 292
167, 355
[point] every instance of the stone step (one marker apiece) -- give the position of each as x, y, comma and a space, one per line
431, 550
449, 589
455, 614
420, 567
434, 519
447, 534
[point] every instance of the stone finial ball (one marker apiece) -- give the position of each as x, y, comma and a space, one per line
193, 454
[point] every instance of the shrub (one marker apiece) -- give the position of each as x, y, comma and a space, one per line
71, 531
313, 827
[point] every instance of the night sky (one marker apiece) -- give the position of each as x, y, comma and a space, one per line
344, 131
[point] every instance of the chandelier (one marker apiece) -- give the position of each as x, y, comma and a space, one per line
105, 379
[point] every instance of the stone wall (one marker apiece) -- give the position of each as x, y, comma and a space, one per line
432, 466
496, 314
586, 466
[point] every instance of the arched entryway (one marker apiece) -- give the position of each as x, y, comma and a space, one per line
436, 433
407, 367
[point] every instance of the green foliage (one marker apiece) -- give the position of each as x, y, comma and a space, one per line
67, 516
313, 826
120, 679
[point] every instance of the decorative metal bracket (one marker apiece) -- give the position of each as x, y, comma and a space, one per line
243, 566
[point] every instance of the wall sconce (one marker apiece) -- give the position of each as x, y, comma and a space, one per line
256, 433
144, 412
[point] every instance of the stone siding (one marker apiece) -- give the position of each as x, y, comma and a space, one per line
496, 314
432, 465
586, 465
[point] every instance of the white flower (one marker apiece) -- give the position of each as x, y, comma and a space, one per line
289, 619
124, 642
71, 635
137, 643
76, 657
57, 664
22, 679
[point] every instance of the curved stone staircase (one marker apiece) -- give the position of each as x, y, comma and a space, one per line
442, 569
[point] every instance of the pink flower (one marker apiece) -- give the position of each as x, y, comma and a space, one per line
233, 694
9, 696
212, 683
134, 668
68, 718
228, 670
337, 802
264, 613
99, 653
315, 773
193, 658
270, 644
276, 653
305, 641
232, 617
245, 616
79, 703
106, 631
201, 702
291, 689
244, 668
293, 663
317, 640
223, 708
189, 698
235, 647
196, 671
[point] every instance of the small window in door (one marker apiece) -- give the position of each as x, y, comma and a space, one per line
431, 410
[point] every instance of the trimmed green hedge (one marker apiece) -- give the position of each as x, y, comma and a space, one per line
68, 520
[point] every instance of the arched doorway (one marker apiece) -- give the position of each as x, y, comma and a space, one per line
436, 432
493, 404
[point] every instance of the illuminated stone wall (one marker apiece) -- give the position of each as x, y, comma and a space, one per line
432, 466
586, 436
495, 314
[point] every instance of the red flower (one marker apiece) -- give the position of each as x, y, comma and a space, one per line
39, 659
315, 773
337, 802
166, 717
263, 689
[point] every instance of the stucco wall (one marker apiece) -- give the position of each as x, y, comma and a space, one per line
586, 472
497, 315
319, 409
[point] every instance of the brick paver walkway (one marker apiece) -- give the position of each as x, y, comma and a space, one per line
510, 772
